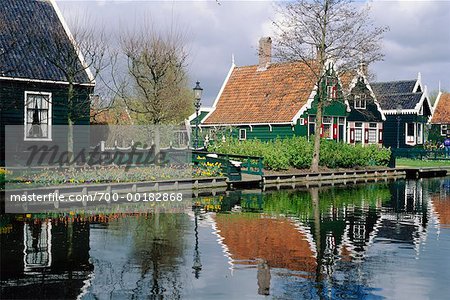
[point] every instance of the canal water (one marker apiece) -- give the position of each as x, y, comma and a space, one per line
372, 241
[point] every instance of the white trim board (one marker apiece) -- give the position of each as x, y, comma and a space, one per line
72, 40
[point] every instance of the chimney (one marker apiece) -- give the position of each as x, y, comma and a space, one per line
363, 69
265, 53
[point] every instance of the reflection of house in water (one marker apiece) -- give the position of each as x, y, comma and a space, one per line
53, 257
405, 220
440, 204
268, 243
37, 240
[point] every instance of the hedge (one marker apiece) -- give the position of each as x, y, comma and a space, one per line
297, 152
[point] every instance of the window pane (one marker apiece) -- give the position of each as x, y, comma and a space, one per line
410, 129
358, 134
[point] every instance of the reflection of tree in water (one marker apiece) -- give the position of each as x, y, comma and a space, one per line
158, 246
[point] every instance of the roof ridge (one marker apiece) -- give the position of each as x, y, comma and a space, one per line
403, 80
393, 94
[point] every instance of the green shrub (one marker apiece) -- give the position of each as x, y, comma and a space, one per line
297, 152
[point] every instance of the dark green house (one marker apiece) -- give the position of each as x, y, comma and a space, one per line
34, 84
365, 118
440, 122
407, 108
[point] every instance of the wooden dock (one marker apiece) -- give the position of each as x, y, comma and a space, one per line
415, 173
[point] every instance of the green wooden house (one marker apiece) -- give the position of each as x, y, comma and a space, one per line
271, 100
365, 118
33, 88
440, 122
279, 100
407, 108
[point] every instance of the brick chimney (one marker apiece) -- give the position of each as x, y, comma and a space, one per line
265, 53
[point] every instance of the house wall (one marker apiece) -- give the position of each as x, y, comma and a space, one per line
12, 99
390, 130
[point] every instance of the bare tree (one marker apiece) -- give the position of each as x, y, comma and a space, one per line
318, 31
80, 61
155, 88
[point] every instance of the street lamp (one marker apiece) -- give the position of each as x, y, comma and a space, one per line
197, 96
399, 111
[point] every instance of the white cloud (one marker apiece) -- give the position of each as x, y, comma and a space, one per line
418, 40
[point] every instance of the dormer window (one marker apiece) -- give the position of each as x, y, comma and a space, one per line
360, 101
38, 116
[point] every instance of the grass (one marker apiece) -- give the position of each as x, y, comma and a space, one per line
406, 162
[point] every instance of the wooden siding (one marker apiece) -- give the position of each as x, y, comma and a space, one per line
12, 99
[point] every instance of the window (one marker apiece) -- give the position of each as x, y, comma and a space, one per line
360, 101
242, 134
444, 130
38, 116
411, 133
419, 133
327, 127
358, 132
331, 93
311, 125
372, 133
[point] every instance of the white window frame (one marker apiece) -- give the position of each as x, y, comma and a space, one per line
328, 123
371, 130
50, 116
444, 130
359, 100
419, 135
242, 130
359, 128
410, 139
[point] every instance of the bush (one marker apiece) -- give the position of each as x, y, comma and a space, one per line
297, 152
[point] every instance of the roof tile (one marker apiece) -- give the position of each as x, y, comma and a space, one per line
441, 113
274, 95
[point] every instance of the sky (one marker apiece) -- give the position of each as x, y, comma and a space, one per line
418, 39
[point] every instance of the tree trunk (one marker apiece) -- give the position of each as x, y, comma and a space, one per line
316, 152
70, 121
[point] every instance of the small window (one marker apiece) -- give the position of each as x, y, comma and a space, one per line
341, 121
242, 134
331, 92
38, 116
312, 119
444, 130
327, 120
410, 134
360, 101
372, 134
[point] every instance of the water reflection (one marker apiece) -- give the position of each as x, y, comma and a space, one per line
353, 242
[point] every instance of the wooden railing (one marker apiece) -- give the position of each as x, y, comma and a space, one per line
248, 164
422, 154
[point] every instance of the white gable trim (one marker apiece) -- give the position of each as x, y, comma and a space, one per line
203, 109
436, 105
418, 84
221, 89
422, 99
72, 40
305, 106
372, 94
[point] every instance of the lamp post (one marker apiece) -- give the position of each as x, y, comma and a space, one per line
399, 111
197, 97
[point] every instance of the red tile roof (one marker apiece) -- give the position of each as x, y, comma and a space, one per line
274, 95
441, 113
